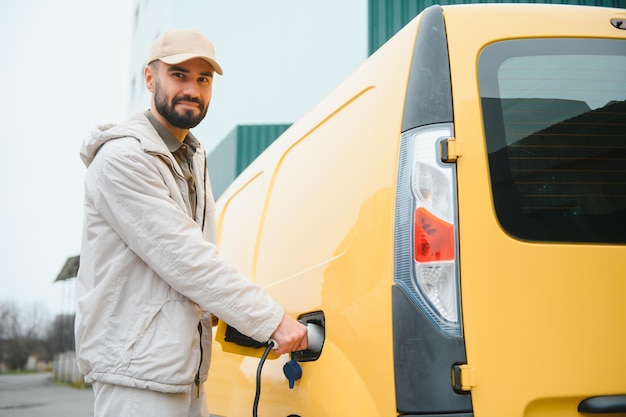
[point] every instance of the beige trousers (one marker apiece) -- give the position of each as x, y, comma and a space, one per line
119, 401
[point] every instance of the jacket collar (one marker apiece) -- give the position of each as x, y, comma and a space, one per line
137, 126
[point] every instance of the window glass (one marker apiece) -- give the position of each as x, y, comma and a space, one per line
555, 125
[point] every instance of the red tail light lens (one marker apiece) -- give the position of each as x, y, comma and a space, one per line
434, 238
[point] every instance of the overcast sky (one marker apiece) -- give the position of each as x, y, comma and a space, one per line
65, 68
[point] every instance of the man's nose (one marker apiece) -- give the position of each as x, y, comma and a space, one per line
191, 89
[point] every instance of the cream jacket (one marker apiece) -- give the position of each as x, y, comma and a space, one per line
149, 273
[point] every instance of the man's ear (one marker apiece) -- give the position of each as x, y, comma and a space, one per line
149, 77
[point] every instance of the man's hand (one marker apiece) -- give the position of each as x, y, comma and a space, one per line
291, 335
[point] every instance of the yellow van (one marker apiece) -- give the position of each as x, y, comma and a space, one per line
453, 216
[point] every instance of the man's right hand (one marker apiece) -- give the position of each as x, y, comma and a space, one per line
291, 335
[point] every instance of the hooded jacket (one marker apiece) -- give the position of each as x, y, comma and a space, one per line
149, 273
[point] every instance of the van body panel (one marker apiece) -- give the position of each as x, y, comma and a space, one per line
336, 168
313, 220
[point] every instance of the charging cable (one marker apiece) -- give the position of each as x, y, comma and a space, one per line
291, 369
271, 344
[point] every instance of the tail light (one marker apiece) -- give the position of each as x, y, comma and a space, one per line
429, 228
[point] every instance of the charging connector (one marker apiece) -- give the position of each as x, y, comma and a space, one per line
315, 336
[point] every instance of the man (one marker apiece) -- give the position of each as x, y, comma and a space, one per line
151, 278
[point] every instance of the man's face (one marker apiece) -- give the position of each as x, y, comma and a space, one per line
182, 92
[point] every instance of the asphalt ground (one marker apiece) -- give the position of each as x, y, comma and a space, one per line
36, 395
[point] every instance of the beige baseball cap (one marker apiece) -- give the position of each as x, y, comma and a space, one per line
179, 45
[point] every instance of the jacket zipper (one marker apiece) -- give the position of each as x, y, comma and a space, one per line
200, 323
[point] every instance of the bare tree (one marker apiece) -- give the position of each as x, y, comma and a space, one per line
61, 334
22, 333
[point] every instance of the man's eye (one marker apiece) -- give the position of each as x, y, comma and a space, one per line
204, 80
178, 75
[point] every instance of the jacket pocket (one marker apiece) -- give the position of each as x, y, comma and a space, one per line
167, 345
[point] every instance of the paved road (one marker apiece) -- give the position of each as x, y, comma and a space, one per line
35, 395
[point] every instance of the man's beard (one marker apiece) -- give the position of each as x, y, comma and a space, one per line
185, 120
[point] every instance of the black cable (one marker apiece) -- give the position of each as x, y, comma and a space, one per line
257, 395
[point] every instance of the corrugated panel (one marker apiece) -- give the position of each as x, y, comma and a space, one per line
221, 162
252, 140
386, 17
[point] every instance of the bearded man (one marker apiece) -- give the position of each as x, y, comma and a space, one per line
151, 279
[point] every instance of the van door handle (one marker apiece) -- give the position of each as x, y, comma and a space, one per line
603, 404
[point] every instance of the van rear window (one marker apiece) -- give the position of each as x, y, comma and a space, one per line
554, 114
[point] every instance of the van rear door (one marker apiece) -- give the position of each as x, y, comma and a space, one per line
542, 205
